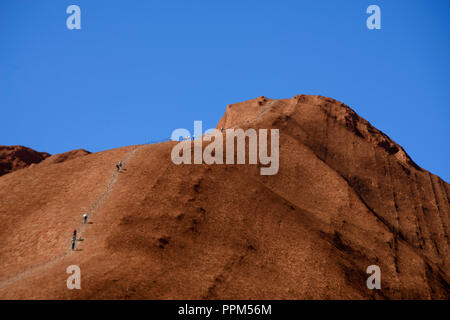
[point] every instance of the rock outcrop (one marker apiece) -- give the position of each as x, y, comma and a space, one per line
13, 158
345, 197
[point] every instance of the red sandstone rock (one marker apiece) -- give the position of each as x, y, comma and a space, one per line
13, 158
346, 196
66, 156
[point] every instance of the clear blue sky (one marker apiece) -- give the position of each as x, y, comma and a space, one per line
139, 69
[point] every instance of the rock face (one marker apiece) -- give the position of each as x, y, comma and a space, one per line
13, 158
66, 156
345, 197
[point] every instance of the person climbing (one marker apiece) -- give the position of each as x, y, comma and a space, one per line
74, 233
117, 167
85, 218
73, 244
120, 164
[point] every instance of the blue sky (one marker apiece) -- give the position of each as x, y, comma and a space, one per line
139, 69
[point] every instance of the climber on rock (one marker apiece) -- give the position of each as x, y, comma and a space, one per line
85, 218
